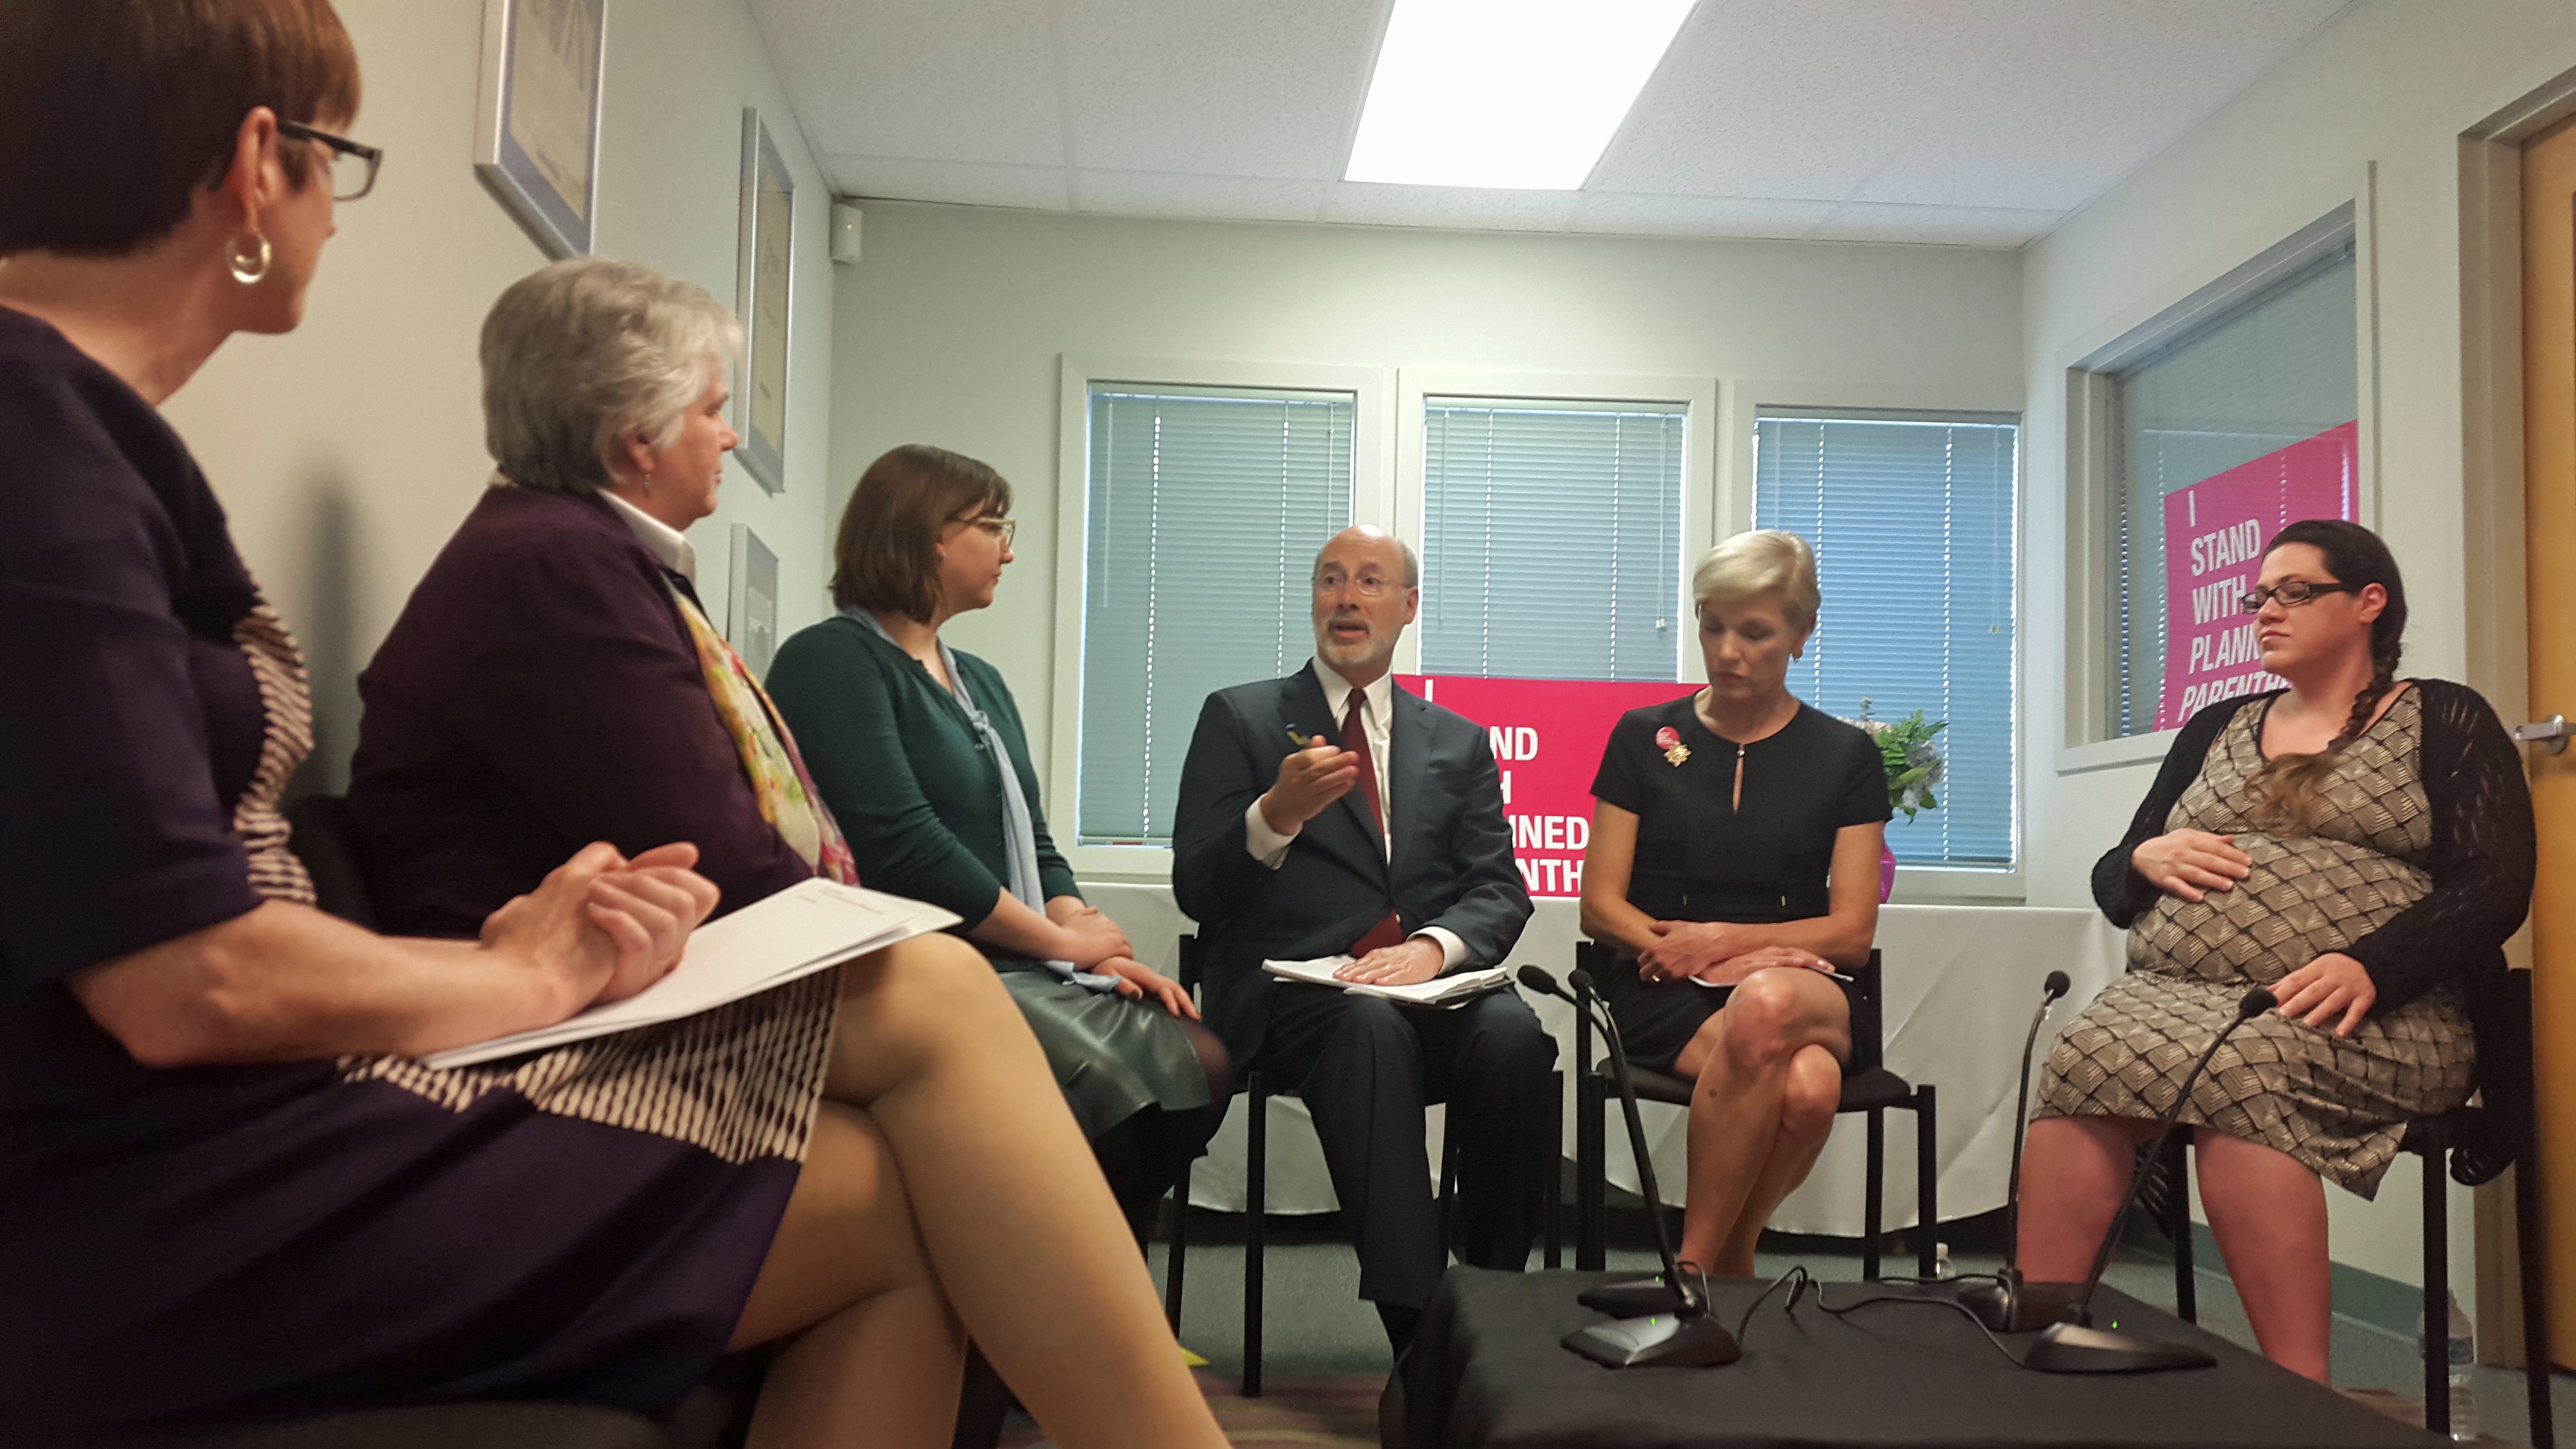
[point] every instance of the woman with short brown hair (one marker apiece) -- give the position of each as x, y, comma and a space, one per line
918, 750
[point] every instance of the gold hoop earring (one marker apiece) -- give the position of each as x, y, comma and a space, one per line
249, 273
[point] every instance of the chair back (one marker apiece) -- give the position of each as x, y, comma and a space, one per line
1868, 1026
318, 828
2500, 1013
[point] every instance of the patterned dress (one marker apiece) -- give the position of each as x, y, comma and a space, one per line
196, 1244
2384, 858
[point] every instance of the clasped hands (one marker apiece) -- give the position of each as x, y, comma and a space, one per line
1101, 947
2192, 865
1717, 952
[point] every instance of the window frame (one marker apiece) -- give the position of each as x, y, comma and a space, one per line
1748, 400
1695, 396
2301, 235
1370, 388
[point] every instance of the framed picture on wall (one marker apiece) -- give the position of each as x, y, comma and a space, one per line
752, 618
764, 277
536, 143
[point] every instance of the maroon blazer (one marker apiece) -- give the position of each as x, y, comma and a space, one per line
540, 692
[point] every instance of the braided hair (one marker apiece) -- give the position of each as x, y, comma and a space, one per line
2288, 785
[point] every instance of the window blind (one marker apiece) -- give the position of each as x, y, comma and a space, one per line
2280, 370
1203, 514
1551, 539
1912, 524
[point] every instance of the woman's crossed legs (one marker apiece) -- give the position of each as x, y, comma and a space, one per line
947, 1181
1769, 1074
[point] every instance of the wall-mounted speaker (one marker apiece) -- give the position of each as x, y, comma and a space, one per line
845, 232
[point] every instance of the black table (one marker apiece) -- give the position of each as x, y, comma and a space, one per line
1486, 1372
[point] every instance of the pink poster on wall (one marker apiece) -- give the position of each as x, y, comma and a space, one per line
1547, 736
2214, 536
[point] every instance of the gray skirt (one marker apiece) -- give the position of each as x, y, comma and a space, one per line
1113, 1057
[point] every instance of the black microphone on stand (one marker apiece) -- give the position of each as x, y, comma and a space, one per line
2007, 1305
2073, 1345
1679, 1334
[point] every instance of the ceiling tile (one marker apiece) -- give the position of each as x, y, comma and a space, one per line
1370, 203
1204, 198
2072, 95
1226, 89
1802, 99
960, 80
1963, 226
967, 183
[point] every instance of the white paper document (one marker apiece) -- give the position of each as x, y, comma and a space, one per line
806, 928
1438, 991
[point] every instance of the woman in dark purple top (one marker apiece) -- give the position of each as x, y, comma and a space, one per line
228, 1189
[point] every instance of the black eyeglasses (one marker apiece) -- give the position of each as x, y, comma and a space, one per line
2291, 593
353, 167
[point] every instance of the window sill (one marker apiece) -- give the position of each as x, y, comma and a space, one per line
1954, 885
2146, 749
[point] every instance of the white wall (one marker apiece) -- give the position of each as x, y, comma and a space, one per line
347, 451
950, 330
2387, 91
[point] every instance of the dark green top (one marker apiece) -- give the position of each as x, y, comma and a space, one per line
905, 772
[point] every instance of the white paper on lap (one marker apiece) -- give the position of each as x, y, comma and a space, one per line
809, 927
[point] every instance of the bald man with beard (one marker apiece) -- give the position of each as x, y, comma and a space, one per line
1380, 835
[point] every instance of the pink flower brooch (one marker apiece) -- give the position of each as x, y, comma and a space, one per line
1669, 740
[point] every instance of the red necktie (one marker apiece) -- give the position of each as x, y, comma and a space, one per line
1388, 932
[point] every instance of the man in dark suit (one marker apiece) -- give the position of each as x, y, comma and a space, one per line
1331, 812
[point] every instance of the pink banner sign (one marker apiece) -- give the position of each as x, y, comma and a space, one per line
1547, 736
2214, 536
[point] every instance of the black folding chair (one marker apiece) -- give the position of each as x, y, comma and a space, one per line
1256, 1196
2475, 1144
1868, 1086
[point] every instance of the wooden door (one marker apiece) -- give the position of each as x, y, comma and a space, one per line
2549, 472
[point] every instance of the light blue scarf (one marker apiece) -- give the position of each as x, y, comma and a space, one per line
1019, 829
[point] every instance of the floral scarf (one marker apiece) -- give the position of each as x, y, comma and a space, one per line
788, 799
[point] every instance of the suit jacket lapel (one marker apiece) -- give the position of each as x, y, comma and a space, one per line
1303, 709
1408, 747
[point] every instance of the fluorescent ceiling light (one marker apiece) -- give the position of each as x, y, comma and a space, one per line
1509, 93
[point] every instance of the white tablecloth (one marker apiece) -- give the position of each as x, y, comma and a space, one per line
1960, 983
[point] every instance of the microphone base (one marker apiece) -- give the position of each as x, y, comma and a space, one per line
1660, 1341
1636, 1298
2071, 1348
2021, 1307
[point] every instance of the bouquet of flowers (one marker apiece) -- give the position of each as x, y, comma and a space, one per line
1913, 762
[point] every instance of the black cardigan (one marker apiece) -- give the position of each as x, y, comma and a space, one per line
2483, 849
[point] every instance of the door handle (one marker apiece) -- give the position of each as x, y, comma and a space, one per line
2551, 733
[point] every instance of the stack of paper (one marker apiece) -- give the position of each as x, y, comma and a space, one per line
1438, 991
801, 930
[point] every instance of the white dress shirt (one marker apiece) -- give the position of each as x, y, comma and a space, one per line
1270, 846
668, 544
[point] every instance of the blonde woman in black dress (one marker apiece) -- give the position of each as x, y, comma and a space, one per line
1735, 844
2358, 845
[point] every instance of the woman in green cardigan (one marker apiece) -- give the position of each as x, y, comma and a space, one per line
906, 739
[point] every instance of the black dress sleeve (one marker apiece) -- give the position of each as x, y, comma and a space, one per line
117, 838
1616, 782
1861, 794
2484, 853
2119, 890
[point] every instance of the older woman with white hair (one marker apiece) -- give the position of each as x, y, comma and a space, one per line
1734, 865
852, 1166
